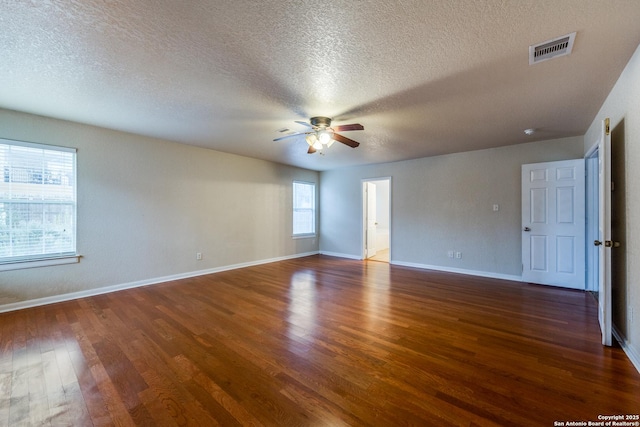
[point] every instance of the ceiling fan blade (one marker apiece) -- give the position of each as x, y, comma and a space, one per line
342, 128
311, 150
303, 123
292, 135
350, 142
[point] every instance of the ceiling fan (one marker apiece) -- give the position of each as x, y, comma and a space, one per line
321, 134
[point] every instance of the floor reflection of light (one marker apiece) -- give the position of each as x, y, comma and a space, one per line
28, 388
376, 290
302, 303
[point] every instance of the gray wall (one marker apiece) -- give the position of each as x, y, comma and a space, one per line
442, 203
146, 206
623, 108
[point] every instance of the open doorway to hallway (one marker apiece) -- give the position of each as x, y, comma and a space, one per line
376, 219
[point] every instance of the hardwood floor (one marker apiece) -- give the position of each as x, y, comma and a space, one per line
314, 341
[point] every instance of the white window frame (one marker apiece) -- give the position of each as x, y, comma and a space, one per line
44, 258
299, 209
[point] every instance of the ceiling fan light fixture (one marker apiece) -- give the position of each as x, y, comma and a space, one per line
324, 137
317, 145
311, 139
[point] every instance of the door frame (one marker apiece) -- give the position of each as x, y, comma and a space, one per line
592, 195
363, 219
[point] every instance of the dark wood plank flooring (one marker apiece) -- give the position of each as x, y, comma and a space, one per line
314, 341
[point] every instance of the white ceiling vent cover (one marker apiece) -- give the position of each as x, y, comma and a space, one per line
550, 49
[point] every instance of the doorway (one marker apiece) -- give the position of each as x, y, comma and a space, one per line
376, 219
606, 230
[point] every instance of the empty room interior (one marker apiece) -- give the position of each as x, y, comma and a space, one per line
355, 213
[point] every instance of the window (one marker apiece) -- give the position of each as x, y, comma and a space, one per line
304, 209
37, 203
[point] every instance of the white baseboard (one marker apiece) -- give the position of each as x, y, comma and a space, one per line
435, 267
339, 255
487, 274
631, 352
107, 289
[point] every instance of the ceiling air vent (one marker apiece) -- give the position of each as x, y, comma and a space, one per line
553, 48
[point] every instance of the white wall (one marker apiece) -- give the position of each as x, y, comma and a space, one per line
623, 107
146, 206
442, 203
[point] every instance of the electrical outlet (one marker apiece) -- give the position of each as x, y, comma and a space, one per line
496, 208
199, 256
458, 255
450, 254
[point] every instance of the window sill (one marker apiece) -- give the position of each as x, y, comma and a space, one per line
304, 236
45, 262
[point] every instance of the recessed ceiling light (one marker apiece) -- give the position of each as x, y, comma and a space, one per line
529, 131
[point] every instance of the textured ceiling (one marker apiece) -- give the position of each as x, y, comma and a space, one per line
423, 77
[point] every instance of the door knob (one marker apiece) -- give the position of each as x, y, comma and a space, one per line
597, 242
527, 229
610, 244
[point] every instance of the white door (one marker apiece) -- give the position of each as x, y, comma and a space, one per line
371, 209
604, 241
553, 223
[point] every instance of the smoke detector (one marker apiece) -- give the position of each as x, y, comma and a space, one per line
554, 48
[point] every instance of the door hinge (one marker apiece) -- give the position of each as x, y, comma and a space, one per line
606, 126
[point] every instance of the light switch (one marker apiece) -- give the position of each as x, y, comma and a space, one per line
496, 208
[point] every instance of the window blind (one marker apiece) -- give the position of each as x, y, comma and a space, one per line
37, 201
304, 208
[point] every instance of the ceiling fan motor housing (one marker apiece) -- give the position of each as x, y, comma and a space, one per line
320, 121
